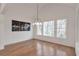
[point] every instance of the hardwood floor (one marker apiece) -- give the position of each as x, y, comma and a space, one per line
37, 48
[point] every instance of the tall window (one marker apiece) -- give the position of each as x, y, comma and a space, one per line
48, 28
61, 28
39, 28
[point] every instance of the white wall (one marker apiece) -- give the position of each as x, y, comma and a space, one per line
77, 31
20, 12
17, 36
1, 31
77, 23
55, 12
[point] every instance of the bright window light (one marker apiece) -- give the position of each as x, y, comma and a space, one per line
39, 28
48, 28
61, 28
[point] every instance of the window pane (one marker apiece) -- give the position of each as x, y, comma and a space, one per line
39, 28
45, 28
48, 28
61, 28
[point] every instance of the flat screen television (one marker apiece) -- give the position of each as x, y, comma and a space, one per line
20, 26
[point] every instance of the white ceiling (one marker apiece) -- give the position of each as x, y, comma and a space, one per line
2, 6
31, 8
20, 9
41, 5
63, 4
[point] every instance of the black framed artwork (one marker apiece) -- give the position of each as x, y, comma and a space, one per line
20, 26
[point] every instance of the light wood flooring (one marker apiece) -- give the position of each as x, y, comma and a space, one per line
37, 48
